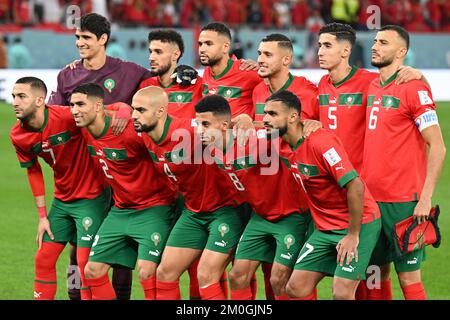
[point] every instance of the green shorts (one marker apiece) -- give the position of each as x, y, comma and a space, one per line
78, 220
384, 253
217, 231
319, 252
269, 241
127, 235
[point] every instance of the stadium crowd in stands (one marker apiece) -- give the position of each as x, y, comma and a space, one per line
414, 15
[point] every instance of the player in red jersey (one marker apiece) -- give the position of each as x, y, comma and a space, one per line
166, 48
119, 78
347, 224
274, 58
222, 75
80, 199
401, 124
211, 223
343, 99
277, 227
138, 225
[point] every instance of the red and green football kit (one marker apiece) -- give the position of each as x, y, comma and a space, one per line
342, 110
214, 218
395, 163
322, 165
304, 89
235, 85
129, 169
60, 143
143, 199
325, 169
280, 220
182, 100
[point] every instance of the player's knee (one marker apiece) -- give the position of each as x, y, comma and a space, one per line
278, 283
298, 289
165, 273
343, 290
146, 272
408, 278
238, 278
91, 271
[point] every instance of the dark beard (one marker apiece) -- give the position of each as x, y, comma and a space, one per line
383, 63
281, 132
145, 128
211, 62
163, 70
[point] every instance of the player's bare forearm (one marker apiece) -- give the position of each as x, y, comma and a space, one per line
435, 160
355, 201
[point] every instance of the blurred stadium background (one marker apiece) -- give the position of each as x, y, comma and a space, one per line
35, 40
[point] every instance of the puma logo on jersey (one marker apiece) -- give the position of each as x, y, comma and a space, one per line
348, 269
212, 91
154, 253
37, 295
341, 167
88, 237
222, 244
99, 153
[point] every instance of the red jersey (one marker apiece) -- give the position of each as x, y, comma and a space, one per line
304, 89
235, 85
60, 143
342, 110
182, 100
266, 182
395, 154
205, 187
129, 169
324, 167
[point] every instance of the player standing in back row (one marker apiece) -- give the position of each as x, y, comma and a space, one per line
401, 124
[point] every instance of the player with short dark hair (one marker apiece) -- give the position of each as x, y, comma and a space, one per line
405, 157
138, 225
222, 75
212, 220
343, 95
274, 58
81, 199
119, 78
347, 224
278, 224
180, 82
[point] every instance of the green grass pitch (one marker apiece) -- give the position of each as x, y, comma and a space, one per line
19, 223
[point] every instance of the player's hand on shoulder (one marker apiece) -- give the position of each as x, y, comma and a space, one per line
310, 126
44, 226
406, 74
248, 65
243, 128
73, 64
185, 75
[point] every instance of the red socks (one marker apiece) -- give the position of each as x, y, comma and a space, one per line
82, 258
361, 291
169, 290
414, 291
384, 293
45, 268
242, 294
149, 286
101, 288
212, 292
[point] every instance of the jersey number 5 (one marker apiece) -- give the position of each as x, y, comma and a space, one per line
332, 117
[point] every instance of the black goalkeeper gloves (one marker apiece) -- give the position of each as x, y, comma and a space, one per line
185, 75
